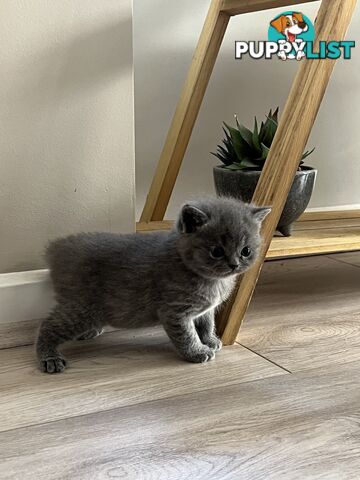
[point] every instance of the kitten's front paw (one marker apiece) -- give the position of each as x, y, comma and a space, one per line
202, 355
214, 343
54, 363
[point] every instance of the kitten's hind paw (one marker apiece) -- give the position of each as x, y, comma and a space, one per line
54, 363
200, 356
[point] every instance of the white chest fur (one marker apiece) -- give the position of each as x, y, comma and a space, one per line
224, 288
221, 290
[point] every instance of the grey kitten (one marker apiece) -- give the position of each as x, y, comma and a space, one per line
175, 278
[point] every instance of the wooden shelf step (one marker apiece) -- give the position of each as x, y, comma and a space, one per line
314, 233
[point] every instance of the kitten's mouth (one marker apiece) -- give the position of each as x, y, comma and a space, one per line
229, 273
219, 274
237, 271
232, 273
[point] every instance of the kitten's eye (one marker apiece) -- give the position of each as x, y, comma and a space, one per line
217, 252
245, 252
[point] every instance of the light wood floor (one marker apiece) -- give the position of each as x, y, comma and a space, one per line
283, 404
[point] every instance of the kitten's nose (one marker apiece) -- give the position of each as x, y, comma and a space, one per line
234, 266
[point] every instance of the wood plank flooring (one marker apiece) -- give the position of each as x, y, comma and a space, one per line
283, 404
315, 322
113, 373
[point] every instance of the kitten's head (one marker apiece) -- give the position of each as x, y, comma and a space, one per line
220, 237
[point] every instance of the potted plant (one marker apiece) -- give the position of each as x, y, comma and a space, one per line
243, 153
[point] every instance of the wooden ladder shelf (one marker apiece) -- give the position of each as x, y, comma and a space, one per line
277, 176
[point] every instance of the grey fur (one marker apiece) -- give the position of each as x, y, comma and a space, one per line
145, 279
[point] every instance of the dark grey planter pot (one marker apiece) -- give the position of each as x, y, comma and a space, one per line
241, 184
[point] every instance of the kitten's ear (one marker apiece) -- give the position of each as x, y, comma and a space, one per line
191, 218
260, 213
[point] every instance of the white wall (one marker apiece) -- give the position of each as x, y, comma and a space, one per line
66, 123
165, 35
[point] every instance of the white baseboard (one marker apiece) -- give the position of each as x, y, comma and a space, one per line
25, 296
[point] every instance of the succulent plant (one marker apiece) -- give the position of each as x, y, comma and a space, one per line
243, 149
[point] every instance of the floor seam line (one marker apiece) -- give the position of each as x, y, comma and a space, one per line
342, 261
17, 346
265, 358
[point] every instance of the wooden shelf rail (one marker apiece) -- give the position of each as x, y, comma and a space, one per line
314, 233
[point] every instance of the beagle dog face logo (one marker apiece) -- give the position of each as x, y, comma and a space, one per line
290, 25
290, 29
